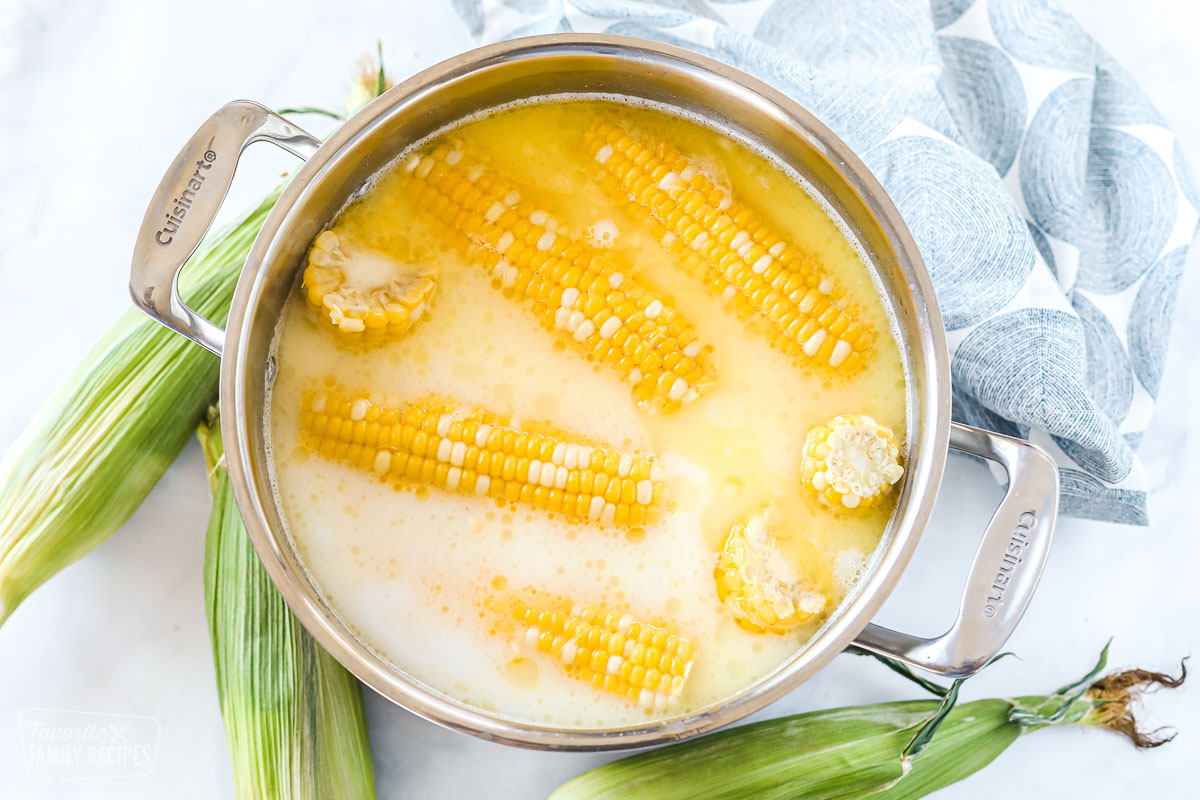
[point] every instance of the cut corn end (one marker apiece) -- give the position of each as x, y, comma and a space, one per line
575, 289
473, 451
646, 664
362, 292
757, 585
738, 255
851, 461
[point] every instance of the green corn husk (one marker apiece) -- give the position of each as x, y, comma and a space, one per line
99, 445
877, 751
293, 715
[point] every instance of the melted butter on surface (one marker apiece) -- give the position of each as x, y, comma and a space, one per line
416, 571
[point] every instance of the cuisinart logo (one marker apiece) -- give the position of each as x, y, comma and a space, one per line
1013, 556
166, 234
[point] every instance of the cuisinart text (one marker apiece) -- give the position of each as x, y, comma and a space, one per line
166, 234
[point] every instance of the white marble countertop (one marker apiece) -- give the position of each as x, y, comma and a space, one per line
96, 98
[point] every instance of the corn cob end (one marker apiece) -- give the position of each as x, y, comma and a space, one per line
851, 461
756, 584
360, 290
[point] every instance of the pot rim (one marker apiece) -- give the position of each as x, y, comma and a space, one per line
929, 439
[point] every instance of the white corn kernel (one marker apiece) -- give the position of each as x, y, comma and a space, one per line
840, 351
814, 342
586, 329
481, 435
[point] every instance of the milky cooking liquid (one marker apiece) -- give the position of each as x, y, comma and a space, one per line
423, 575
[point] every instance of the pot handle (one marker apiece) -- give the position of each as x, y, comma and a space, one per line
186, 202
1006, 567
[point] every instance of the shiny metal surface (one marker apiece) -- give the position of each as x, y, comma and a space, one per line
745, 108
1006, 568
186, 203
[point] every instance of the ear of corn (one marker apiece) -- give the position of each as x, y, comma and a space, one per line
851, 461
474, 451
862, 751
576, 290
757, 584
97, 447
94, 451
293, 715
646, 664
731, 248
359, 290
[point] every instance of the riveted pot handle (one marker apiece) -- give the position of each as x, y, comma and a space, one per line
1006, 567
187, 201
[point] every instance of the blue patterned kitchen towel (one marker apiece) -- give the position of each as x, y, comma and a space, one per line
1052, 205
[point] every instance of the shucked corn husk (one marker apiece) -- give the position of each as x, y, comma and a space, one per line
99, 445
880, 751
293, 715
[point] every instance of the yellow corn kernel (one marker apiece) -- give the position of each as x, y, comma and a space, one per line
359, 290
731, 248
607, 651
851, 461
576, 290
757, 584
443, 450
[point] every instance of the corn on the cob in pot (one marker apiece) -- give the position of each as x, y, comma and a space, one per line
730, 247
576, 290
851, 461
476, 451
646, 664
360, 290
756, 582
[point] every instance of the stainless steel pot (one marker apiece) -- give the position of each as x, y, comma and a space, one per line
1015, 544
